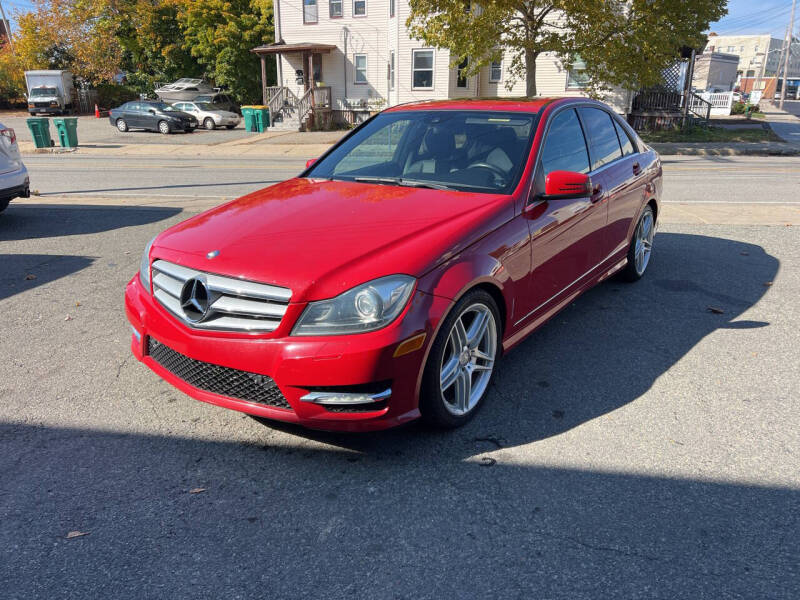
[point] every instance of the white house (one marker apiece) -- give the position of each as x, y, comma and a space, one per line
360, 53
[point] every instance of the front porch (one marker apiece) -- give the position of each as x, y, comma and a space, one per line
311, 106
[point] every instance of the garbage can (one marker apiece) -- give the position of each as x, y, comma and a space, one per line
249, 118
40, 131
67, 129
261, 114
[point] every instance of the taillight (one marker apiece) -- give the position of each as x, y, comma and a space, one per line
10, 134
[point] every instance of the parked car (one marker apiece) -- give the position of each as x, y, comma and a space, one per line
153, 116
208, 116
385, 281
220, 101
14, 180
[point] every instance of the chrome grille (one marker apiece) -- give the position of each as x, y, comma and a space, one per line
234, 304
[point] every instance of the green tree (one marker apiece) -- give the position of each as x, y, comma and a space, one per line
621, 42
220, 35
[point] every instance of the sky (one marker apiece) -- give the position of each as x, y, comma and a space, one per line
744, 16
762, 16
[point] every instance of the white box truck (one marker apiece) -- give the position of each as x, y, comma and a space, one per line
50, 92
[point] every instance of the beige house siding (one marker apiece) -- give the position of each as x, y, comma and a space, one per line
377, 35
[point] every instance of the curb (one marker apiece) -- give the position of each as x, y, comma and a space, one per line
667, 149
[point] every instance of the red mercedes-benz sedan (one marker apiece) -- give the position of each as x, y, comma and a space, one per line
384, 282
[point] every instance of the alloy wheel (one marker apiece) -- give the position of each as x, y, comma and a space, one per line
163, 127
468, 359
644, 242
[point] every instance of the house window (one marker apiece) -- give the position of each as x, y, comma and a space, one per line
309, 11
422, 69
496, 71
731, 48
391, 8
751, 73
461, 80
359, 8
360, 64
336, 8
577, 78
391, 70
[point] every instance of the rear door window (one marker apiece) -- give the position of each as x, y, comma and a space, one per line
624, 139
602, 136
564, 148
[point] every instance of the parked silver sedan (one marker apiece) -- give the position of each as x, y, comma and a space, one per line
209, 116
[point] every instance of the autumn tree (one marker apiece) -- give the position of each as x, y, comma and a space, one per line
220, 35
622, 42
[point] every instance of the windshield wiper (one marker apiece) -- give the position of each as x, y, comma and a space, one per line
402, 182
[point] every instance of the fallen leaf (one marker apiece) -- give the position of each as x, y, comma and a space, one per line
77, 304
68, 318
35, 193
197, 490
76, 534
487, 461
30, 277
767, 283
715, 310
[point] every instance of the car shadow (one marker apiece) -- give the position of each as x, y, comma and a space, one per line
607, 348
22, 272
176, 517
32, 221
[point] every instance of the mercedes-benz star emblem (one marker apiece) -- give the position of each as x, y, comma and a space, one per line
195, 300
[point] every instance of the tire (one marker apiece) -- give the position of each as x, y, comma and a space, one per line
641, 248
163, 127
445, 401
209, 124
4, 204
122, 125
230, 126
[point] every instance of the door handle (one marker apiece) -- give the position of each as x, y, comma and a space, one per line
598, 193
636, 169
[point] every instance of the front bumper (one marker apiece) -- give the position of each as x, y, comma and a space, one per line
301, 367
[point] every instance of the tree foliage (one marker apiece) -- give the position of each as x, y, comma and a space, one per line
220, 35
622, 42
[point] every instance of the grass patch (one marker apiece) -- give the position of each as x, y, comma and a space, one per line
710, 134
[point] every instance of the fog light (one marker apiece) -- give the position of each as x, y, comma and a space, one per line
345, 398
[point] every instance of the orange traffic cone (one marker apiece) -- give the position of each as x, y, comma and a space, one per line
96, 112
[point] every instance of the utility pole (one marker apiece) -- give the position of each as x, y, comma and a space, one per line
8, 28
788, 53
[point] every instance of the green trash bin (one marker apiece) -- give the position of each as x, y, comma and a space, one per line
261, 114
249, 118
67, 129
40, 131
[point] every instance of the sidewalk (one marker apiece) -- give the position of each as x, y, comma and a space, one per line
784, 124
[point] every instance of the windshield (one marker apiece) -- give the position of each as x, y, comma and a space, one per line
476, 151
203, 106
44, 92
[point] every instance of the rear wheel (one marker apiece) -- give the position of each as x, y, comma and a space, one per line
641, 248
163, 127
461, 362
230, 126
4, 204
122, 125
209, 124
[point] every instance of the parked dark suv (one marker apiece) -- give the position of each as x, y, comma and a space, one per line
154, 116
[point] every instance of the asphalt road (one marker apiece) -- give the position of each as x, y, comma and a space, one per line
638, 446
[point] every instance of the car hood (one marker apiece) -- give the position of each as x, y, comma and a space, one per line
320, 238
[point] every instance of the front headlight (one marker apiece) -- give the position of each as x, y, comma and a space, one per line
367, 307
144, 266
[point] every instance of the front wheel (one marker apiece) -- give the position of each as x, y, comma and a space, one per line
122, 125
163, 127
461, 362
209, 124
641, 248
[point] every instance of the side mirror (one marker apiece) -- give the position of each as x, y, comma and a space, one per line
563, 185
310, 162
151, 111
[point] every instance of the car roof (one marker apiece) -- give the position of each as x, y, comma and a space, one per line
523, 104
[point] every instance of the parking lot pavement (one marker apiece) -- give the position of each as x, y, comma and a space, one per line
99, 133
637, 446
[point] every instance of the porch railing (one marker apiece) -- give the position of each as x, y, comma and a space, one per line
699, 107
